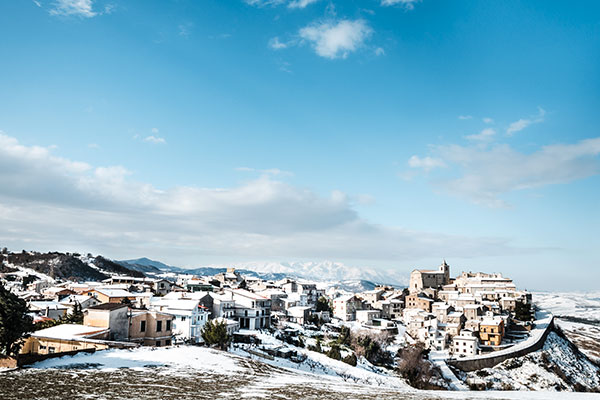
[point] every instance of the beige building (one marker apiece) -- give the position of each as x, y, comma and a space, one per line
111, 295
421, 279
151, 328
113, 317
419, 301
65, 338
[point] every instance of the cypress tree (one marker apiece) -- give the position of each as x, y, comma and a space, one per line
15, 324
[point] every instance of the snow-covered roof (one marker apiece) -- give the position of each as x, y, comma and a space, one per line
114, 292
68, 331
42, 305
249, 294
183, 304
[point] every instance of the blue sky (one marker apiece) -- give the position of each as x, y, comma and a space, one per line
379, 133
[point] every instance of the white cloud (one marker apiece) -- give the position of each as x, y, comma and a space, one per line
484, 135
294, 4
336, 39
524, 123
185, 29
154, 139
426, 163
488, 120
275, 44
464, 117
37, 3
379, 51
488, 173
52, 203
301, 3
408, 4
80, 8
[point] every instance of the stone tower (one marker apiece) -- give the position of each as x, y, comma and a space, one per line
445, 268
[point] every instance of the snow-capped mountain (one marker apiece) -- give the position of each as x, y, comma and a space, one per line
326, 271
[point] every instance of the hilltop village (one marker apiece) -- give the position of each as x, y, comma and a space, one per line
470, 315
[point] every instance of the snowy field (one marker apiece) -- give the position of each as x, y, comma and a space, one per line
196, 372
578, 314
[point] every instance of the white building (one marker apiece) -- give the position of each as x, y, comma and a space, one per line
189, 318
465, 344
251, 310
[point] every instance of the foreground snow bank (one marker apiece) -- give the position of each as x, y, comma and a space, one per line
200, 358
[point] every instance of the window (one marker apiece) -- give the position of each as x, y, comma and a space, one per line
158, 326
143, 326
158, 343
168, 326
168, 342
51, 349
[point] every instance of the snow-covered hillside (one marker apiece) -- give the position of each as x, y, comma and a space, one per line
578, 314
557, 366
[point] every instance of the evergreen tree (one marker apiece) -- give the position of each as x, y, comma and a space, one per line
15, 324
523, 311
215, 334
334, 352
323, 304
76, 317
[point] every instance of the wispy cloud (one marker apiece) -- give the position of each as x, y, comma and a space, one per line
465, 117
185, 29
407, 4
379, 51
155, 139
488, 120
524, 123
293, 4
426, 163
485, 135
336, 39
79, 8
489, 172
275, 44
301, 3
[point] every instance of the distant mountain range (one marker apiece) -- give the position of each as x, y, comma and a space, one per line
326, 271
87, 267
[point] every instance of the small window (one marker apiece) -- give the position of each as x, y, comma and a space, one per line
158, 326
51, 349
183, 318
158, 343
143, 326
168, 342
168, 326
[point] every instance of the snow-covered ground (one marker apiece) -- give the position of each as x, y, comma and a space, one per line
188, 372
578, 314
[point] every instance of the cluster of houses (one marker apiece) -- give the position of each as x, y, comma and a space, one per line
125, 311
462, 315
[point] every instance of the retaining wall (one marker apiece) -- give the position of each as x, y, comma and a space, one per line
490, 360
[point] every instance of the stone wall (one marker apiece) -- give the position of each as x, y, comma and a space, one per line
489, 360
